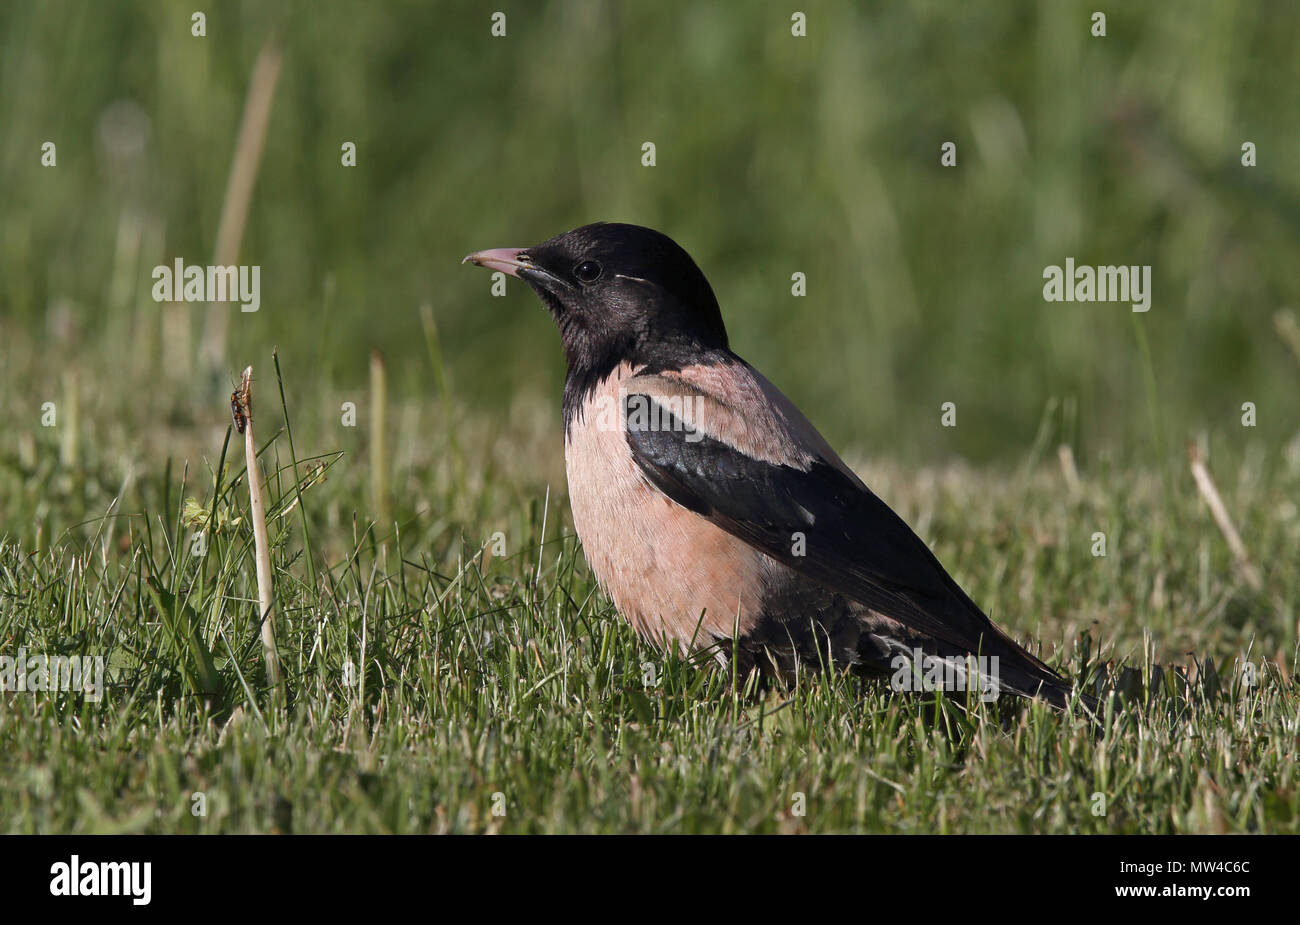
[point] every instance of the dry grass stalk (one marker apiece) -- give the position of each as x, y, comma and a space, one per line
378, 434
1220, 513
71, 419
241, 405
239, 193
1068, 469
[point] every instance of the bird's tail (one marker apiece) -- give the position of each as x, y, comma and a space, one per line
995, 664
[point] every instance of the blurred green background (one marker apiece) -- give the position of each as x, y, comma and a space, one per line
775, 155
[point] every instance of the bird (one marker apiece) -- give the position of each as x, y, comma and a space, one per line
712, 513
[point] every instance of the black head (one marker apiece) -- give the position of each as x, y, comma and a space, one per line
618, 293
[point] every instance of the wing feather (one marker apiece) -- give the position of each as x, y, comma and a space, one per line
852, 541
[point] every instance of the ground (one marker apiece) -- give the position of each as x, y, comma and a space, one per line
435, 684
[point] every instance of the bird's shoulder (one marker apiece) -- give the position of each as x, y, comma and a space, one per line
732, 404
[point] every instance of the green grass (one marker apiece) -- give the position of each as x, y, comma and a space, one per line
776, 155
477, 675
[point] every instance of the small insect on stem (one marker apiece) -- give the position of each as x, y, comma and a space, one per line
237, 411
241, 402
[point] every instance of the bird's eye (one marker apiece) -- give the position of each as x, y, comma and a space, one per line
588, 271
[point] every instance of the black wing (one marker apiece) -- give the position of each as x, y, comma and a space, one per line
853, 542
